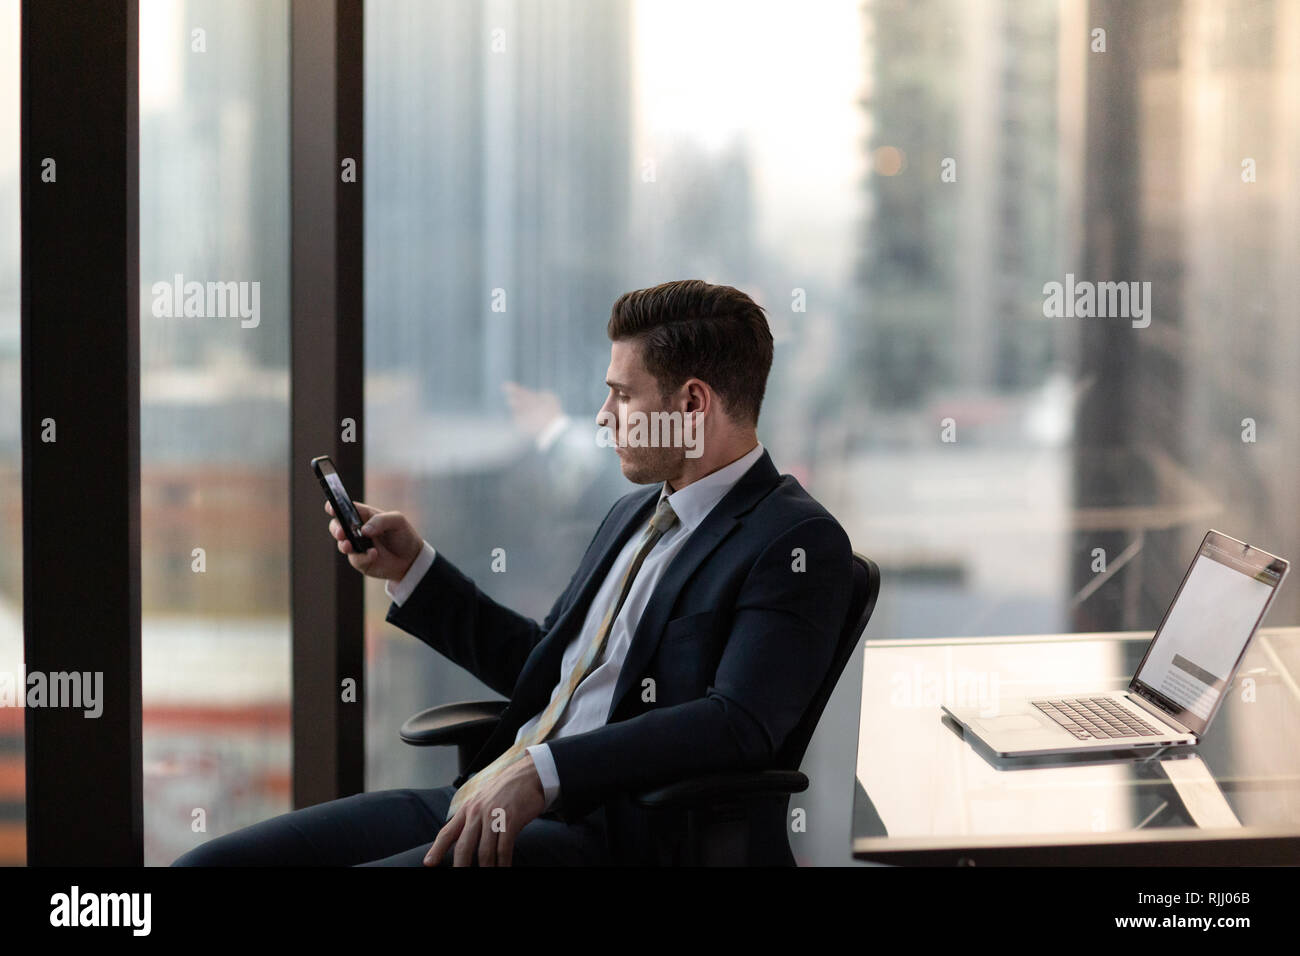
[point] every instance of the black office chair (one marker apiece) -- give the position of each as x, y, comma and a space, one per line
702, 820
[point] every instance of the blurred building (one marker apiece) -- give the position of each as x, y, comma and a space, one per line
1193, 126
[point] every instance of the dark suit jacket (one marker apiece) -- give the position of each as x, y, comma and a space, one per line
736, 639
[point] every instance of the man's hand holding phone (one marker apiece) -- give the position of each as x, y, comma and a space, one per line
396, 544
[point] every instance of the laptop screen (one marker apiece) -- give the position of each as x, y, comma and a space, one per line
1203, 637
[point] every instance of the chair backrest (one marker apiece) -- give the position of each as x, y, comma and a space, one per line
862, 601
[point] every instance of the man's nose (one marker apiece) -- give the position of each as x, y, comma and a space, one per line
606, 416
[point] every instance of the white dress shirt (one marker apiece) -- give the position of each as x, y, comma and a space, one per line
591, 700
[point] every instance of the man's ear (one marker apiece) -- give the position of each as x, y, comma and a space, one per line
698, 395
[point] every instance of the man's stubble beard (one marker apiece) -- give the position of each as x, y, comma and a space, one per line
647, 465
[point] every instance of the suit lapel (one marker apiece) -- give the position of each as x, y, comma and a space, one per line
640, 514
571, 621
752, 487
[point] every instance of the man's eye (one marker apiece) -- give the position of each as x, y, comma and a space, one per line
622, 398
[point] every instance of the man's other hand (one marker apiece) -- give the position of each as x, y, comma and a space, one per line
479, 829
394, 543
533, 411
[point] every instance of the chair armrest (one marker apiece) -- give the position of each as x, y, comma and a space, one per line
449, 724
716, 788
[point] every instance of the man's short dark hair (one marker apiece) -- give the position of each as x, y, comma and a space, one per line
692, 329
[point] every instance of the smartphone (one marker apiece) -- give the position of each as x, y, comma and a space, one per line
344, 510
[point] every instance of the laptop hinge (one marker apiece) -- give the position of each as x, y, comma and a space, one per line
1157, 711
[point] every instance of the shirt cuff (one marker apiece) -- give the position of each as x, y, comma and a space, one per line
551, 432
545, 764
400, 591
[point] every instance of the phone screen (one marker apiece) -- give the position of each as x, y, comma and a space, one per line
344, 510
344, 502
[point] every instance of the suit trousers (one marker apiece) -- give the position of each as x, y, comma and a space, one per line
390, 828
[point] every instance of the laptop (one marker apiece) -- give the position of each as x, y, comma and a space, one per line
1178, 686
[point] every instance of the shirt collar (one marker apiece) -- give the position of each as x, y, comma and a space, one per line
693, 503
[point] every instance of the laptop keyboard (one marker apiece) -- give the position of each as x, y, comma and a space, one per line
1095, 717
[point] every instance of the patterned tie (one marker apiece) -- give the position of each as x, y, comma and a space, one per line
663, 519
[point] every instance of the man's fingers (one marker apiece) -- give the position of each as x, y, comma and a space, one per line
467, 842
444, 838
487, 843
380, 522
505, 846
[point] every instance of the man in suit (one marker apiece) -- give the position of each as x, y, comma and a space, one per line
692, 636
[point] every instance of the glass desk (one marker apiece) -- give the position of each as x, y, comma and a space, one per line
925, 795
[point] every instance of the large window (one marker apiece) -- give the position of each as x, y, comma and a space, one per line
898, 183
214, 419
